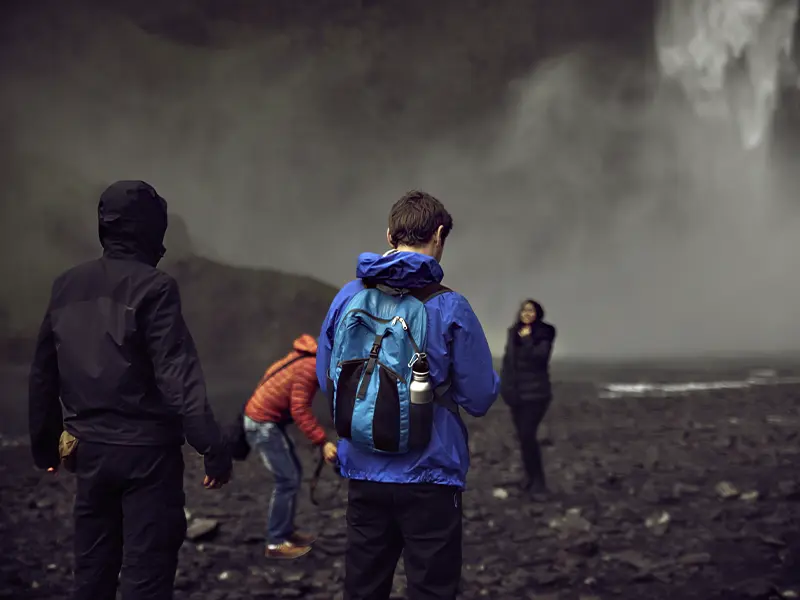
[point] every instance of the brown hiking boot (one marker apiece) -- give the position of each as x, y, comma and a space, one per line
286, 551
302, 539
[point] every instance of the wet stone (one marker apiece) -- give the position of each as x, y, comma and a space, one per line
201, 529
545, 577
658, 523
789, 490
701, 558
726, 490
584, 545
571, 523
755, 589
772, 541
632, 558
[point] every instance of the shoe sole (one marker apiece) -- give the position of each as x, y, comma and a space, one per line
285, 557
308, 542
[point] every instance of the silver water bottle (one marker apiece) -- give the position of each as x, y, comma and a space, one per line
420, 390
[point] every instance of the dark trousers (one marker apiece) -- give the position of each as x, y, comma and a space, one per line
129, 516
421, 521
527, 417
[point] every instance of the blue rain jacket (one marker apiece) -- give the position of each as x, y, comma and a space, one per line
456, 344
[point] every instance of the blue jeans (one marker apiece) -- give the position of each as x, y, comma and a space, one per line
277, 452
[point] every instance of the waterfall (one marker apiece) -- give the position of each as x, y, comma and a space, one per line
730, 57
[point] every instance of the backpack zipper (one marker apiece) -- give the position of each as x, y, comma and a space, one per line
370, 315
417, 354
394, 321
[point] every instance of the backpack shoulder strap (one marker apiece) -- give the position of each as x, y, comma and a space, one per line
370, 284
270, 374
423, 294
429, 292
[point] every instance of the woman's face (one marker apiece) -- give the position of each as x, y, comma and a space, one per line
528, 314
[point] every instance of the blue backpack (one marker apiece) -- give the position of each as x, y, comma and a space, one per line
382, 332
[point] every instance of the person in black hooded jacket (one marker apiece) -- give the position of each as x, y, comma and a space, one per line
525, 385
116, 367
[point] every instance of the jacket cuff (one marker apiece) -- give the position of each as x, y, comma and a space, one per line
320, 438
46, 459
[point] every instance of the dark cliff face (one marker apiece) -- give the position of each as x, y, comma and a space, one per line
552, 23
484, 44
554, 109
472, 52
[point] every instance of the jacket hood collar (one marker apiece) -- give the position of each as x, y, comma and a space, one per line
400, 270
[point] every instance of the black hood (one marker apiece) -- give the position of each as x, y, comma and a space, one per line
132, 221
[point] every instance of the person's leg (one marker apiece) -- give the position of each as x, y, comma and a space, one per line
98, 527
277, 454
298, 474
154, 521
533, 450
431, 524
525, 423
374, 541
298, 537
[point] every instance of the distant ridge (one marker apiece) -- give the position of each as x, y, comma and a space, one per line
243, 317
239, 317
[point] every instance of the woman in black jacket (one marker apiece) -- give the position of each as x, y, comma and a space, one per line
525, 385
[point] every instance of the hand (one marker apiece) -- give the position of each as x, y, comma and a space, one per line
213, 484
525, 331
329, 452
219, 469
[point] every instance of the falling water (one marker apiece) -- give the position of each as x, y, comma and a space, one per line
730, 57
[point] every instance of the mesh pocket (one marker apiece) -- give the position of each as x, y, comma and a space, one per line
346, 390
386, 420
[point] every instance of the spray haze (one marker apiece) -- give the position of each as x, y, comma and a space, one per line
587, 180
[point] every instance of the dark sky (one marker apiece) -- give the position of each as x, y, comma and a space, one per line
282, 136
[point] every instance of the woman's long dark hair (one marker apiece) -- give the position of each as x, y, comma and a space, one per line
539, 314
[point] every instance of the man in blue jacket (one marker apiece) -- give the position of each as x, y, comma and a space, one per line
411, 503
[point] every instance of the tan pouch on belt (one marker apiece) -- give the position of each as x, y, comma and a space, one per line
67, 446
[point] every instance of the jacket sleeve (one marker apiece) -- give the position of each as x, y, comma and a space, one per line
324, 348
475, 382
304, 387
540, 347
507, 366
507, 373
542, 350
328, 330
178, 373
45, 419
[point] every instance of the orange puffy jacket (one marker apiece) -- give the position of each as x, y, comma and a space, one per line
287, 396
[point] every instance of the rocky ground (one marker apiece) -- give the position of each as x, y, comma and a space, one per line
694, 497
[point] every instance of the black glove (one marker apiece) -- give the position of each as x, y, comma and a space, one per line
218, 464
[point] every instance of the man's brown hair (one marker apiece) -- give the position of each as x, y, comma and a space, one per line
415, 218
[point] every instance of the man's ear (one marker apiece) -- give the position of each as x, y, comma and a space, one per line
389, 238
438, 236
